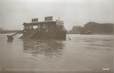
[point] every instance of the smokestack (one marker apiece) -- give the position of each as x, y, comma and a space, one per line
35, 20
49, 18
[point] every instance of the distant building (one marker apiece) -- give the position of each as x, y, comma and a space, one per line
97, 28
93, 28
76, 30
47, 29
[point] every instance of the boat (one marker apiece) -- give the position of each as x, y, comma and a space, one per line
9, 38
47, 29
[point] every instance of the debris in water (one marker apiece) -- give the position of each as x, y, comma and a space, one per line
105, 69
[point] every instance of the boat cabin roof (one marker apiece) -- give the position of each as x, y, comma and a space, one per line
40, 23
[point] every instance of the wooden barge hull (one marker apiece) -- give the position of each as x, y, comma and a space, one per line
45, 35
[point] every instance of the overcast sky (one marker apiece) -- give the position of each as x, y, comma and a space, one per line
74, 12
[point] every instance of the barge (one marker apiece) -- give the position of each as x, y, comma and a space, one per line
47, 29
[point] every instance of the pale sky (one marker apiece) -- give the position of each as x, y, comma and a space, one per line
74, 12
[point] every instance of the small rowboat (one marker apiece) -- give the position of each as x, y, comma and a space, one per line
10, 38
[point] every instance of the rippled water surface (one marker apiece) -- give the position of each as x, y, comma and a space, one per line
79, 53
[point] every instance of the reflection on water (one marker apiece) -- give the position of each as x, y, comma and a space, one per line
45, 47
81, 53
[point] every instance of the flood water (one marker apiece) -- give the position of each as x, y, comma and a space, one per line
79, 53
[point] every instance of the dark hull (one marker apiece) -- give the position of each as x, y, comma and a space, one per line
45, 35
9, 38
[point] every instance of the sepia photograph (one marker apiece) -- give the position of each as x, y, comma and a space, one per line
56, 36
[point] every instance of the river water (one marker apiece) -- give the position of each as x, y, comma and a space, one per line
79, 53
